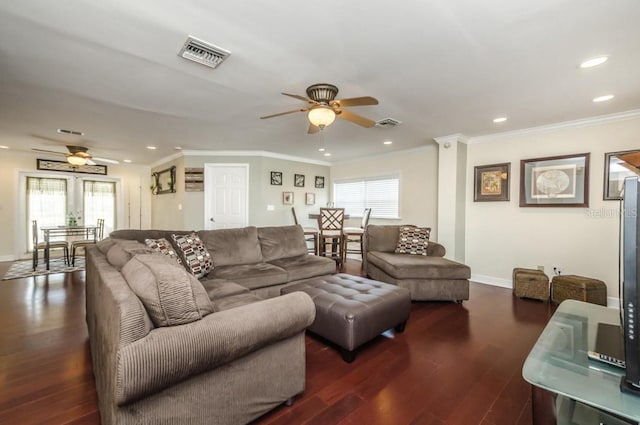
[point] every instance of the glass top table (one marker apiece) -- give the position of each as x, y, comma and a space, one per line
48, 232
558, 362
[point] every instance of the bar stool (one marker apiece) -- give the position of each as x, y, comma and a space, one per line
330, 225
86, 242
355, 235
43, 245
310, 234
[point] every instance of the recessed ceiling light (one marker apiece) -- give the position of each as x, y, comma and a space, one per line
178, 148
4, 147
387, 142
327, 154
321, 150
151, 148
603, 98
593, 62
500, 119
128, 161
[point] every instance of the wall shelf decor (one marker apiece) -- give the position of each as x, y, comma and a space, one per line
194, 179
50, 165
164, 181
555, 181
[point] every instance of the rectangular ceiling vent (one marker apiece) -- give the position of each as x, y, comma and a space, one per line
203, 52
387, 123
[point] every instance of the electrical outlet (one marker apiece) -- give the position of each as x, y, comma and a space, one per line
557, 270
541, 268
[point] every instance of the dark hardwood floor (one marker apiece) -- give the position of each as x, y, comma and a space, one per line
454, 364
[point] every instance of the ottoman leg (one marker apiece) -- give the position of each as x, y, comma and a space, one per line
348, 355
400, 327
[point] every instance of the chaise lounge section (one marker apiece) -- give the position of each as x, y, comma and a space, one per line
428, 277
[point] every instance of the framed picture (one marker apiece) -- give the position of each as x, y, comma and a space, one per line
319, 182
557, 181
276, 178
298, 180
164, 181
310, 198
49, 165
491, 182
287, 198
617, 167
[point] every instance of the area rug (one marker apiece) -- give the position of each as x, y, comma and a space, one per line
20, 269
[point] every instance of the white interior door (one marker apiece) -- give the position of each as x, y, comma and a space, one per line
226, 196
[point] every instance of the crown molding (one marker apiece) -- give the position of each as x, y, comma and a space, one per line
263, 154
583, 122
385, 155
458, 137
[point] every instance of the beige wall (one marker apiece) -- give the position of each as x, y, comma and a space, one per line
133, 204
418, 171
583, 241
168, 215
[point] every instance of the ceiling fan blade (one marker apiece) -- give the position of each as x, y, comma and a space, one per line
313, 129
356, 101
284, 113
46, 151
304, 99
107, 160
355, 118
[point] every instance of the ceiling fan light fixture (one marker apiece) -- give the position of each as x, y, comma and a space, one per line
321, 116
77, 160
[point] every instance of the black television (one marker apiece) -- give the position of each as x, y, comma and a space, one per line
630, 285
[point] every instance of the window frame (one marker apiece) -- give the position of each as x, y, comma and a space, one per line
365, 179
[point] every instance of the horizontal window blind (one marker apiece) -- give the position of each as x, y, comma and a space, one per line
378, 193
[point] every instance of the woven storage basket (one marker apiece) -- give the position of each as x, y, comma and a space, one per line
571, 287
530, 283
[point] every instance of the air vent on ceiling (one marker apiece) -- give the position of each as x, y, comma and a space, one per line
387, 122
203, 52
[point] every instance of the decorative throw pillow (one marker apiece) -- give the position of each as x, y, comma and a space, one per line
413, 240
164, 247
195, 256
168, 292
123, 250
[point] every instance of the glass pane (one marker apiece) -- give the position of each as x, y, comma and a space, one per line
100, 202
46, 203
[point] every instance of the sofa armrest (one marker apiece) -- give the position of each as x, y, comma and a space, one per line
171, 354
434, 249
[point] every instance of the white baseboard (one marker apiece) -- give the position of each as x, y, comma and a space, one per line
493, 281
7, 258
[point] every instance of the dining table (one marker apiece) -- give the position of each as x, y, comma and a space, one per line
89, 231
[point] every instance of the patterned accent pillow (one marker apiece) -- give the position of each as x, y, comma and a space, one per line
163, 246
413, 240
195, 256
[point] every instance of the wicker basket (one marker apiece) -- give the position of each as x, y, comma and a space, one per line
571, 287
530, 283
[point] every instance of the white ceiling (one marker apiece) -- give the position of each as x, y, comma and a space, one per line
111, 70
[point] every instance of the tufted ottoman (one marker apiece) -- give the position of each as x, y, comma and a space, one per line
352, 310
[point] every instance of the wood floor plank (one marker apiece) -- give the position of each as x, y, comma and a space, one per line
454, 363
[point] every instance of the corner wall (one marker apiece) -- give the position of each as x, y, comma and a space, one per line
582, 241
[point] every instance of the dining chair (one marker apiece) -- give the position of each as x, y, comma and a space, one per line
330, 225
83, 243
355, 235
43, 245
310, 234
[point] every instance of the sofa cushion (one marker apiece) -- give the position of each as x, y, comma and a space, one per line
220, 288
281, 242
164, 247
304, 266
105, 244
168, 292
413, 240
193, 254
402, 266
251, 275
123, 250
232, 246
233, 301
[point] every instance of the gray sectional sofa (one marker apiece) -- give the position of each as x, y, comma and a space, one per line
428, 277
225, 357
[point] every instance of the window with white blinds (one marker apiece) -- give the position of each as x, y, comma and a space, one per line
378, 193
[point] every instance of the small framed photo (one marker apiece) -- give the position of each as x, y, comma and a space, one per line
491, 182
287, 198
298, 180
310, 198
557, 181
319, 182
276, 178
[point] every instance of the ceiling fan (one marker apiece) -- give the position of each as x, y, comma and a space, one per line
323, 107
78, 156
